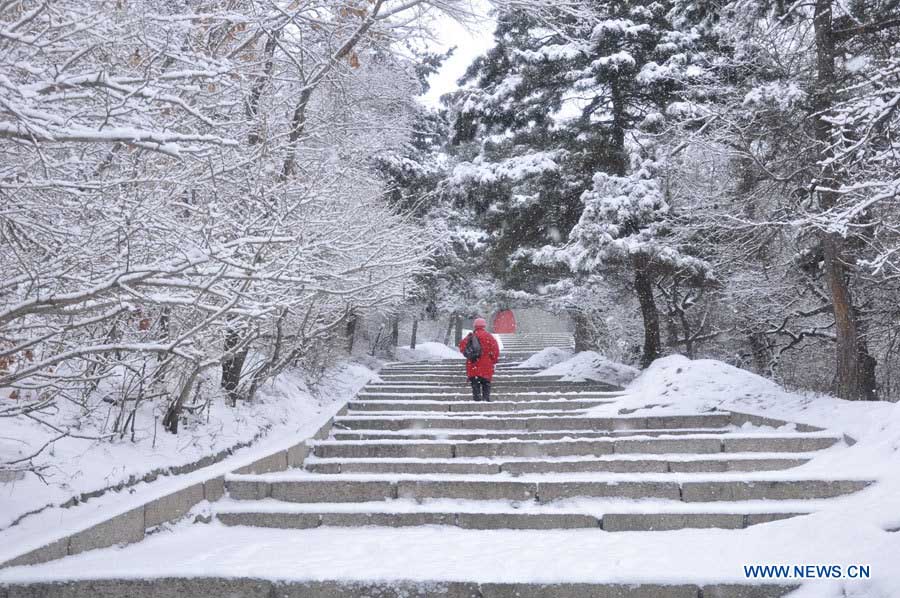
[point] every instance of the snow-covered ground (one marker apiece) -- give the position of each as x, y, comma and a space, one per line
587, 365
546, 358
858, 529
435, 553
284, 410
429, 351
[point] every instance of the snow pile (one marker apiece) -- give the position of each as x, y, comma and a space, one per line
546, 358
70, 467
589, 365
428, 352
678, 384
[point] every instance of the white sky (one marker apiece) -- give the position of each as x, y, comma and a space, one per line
471, 40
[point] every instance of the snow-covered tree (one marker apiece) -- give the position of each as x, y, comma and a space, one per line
804, 104
556, 112
188, 187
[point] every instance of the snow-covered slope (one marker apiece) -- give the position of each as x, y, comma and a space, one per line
429, 351
546, 358
589, 365
69, 467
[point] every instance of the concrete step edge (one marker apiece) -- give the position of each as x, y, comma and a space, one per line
212, 587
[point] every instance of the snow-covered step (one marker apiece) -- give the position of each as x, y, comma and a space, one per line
312, 488
466, 395
556, 448
455, 364
500, 386
536, 345
524, 411
534, 423
456, 406
665, 464
306, 516
471, 435
460, 377
211, 586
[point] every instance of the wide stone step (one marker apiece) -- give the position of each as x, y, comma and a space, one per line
466, 395
515, 468
456, 406
533, 424
537, 341
418, 378
532, 348
457, 365
212, 587
549, 448
332, 489
611, 522
523, 412
462, 385
457, 436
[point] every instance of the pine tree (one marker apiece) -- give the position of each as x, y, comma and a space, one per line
553, 105
814, 108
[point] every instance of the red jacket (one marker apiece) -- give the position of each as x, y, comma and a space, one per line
490, 353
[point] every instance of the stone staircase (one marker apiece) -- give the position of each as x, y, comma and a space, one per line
413, 449
517, 347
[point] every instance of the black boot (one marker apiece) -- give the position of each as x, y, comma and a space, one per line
476, 389
486, 390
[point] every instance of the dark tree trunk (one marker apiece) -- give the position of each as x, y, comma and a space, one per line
449, 329
617, 143
351, 332
853, 362
232, 365
415, 330
643, 287
760, 353
457, 333
395, 332
585, 333
173, 412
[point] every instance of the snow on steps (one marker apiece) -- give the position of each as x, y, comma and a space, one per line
414, 449
406, 461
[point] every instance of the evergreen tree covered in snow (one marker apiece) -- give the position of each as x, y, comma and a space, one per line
556, 118
811, 118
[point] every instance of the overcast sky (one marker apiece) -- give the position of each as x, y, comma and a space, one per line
471, 41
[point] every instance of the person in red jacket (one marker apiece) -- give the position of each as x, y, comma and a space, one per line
481, 371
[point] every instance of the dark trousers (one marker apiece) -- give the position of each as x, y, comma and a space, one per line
481, 388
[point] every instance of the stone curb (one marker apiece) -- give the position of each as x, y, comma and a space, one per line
132, 526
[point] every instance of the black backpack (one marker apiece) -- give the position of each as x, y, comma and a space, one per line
472, 352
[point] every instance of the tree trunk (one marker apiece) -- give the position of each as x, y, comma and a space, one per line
173, 412
457, 335
395, 332
760, 353
449, 329
853, 362
415, 329
351, 332
619, 164
643, 287
232, 365
585, 334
